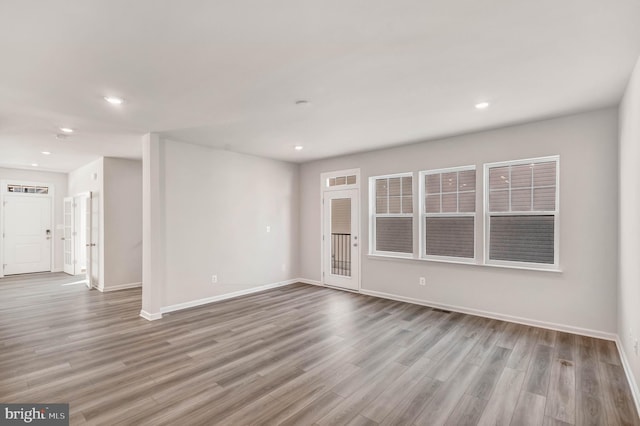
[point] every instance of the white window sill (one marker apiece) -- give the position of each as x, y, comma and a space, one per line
462, 262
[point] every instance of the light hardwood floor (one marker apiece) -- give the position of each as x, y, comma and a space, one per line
297, 355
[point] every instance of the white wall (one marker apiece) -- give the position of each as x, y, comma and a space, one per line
122, 222
217, 206
583, 295
629, 245
59, 182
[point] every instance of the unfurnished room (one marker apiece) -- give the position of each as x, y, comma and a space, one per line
320, 212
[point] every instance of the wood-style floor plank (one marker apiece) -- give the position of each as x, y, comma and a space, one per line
296, 355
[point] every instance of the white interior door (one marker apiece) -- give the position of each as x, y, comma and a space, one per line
341, 239
90, 246
68, 236
80, 233
27, 234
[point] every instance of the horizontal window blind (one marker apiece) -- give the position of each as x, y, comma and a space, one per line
450, 236
522, 238
393, 213
394, 234
522, 210
449, 198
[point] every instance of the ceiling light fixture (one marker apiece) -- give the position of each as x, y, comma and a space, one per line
482, 105
34, 164
114, 100
66, 129
46, 153
298, 147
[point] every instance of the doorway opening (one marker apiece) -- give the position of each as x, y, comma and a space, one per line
341, 229
78, 242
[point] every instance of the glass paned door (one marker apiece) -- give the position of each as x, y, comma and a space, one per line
341, 244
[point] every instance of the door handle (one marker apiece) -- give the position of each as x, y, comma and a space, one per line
355, 244
90, 245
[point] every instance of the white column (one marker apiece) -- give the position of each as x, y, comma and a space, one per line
153, 273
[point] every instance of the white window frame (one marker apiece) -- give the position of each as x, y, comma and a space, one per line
556, 213
424, 215
373, 216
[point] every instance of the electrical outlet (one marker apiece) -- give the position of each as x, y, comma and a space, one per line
284, 267
268, 228
214, 279
635, 347
423, 281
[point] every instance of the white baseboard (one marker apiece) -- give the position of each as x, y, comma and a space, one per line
200, 302
493, 315
118, 287
312, 282
629, 373
150, 317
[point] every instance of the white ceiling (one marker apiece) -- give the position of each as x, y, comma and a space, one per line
227, 73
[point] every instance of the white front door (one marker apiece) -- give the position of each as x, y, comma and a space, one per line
68, 236
341, 239
27, 234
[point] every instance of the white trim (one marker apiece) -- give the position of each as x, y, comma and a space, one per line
635, 392
448, 170
150, 317
494, 315
451, 259
312, 282
126, 286
524, 265
207, 300
524, 161
472, 262
392, 255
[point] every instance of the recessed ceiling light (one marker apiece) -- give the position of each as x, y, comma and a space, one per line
303, 102
66, 129
34, 164
482, 105
114, 100
298, 147
46, 153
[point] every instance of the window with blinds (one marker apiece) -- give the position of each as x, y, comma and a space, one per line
522, 212
448, 211
392, 214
